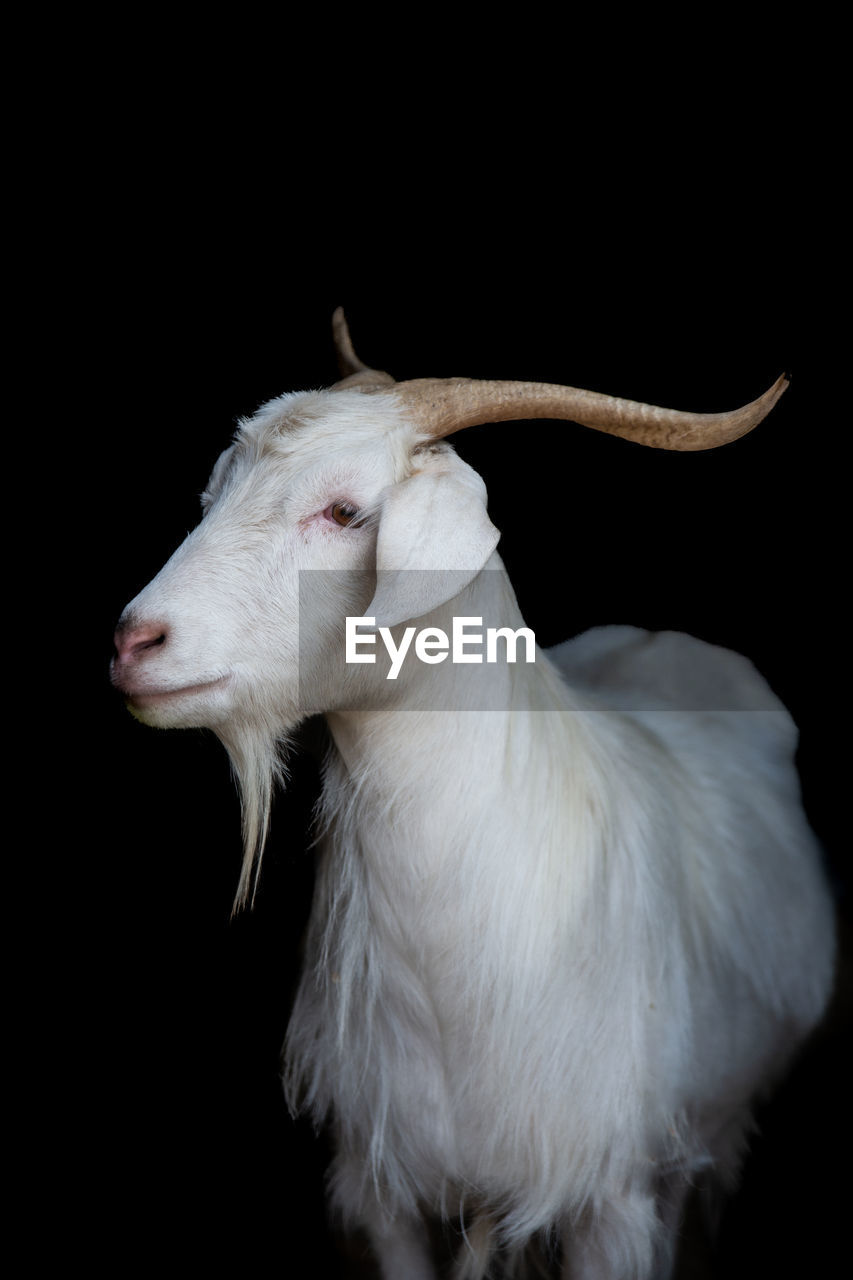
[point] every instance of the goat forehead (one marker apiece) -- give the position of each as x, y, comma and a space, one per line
313, 447
302, 423
311, 474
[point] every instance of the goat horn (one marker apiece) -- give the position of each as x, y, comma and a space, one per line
354, 372
442, 406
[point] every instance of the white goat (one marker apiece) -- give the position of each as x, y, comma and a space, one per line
568, 924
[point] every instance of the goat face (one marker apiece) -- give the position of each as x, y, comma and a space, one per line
338, 482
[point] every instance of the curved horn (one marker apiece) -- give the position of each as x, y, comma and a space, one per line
442, 406
354, 372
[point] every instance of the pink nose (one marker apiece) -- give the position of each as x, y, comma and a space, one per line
132, 641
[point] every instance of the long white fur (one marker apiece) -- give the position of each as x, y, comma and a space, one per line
557, 948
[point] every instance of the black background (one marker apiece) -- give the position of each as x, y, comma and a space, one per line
217, 205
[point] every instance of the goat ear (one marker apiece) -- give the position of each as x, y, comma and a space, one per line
434, 538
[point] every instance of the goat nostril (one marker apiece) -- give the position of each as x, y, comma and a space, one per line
132, 642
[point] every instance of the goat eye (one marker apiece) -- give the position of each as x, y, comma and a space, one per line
343, 513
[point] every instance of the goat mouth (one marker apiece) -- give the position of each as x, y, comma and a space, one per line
139, 699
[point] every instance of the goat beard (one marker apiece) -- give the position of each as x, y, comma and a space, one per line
258, 755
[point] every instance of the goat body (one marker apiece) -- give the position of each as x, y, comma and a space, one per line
567, 926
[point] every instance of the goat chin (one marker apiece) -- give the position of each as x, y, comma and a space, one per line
195, 706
